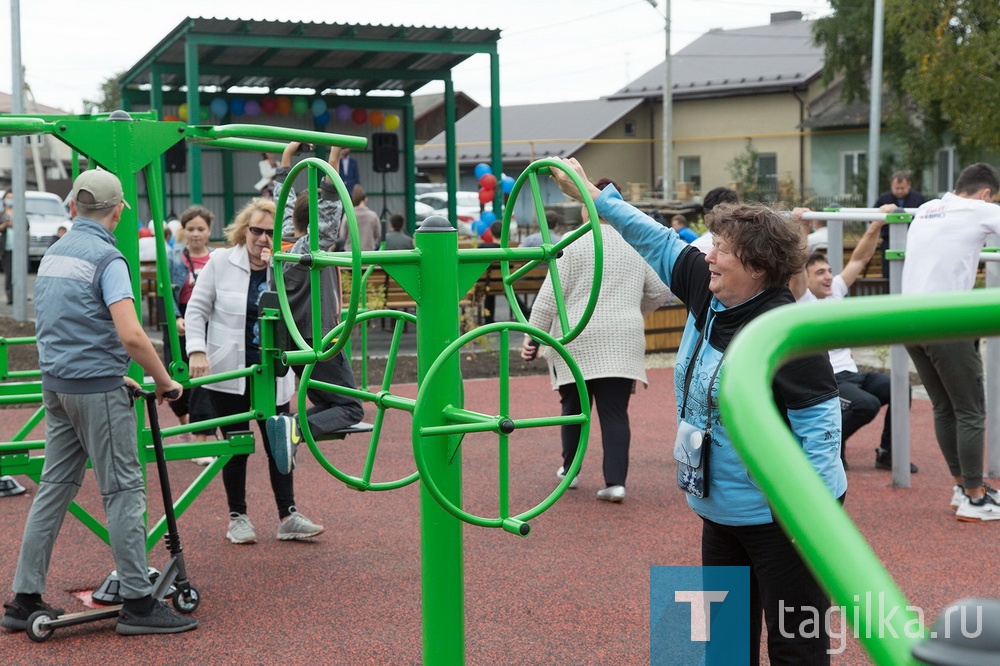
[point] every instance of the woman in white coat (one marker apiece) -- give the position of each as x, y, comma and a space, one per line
610, 351
224, 303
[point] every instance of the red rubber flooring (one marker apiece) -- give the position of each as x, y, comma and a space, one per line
573, 592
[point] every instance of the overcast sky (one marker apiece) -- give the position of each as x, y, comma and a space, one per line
550, 50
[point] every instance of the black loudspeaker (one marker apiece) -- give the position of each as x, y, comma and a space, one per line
177, 157
385, 152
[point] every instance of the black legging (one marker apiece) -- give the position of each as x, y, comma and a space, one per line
234, 474
612, 395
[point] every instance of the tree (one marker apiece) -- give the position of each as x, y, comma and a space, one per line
111, 97
751, 183
939, 70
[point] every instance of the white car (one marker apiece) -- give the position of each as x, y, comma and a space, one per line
45, 214
467, 209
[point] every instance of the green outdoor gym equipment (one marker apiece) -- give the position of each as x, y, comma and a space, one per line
435, 274
130, 145
840, 557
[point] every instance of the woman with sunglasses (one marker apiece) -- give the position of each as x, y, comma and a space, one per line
225, 300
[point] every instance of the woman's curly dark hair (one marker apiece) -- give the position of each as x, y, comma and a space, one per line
762, 239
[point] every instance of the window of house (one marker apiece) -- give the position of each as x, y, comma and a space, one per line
853, 172
767, 170
629, 128
691, 172
945, 170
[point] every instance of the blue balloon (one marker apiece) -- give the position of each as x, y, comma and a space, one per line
506, 184
480, 226
237, 106
489, 217
323, 118
318, 107
219, 107
482, 169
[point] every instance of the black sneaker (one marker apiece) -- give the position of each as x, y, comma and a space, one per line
160, 620
16, 614
883, 460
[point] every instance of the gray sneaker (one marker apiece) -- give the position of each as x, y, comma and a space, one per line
241, 529
297, 528
161, 620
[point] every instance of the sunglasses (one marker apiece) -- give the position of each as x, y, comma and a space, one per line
257, 231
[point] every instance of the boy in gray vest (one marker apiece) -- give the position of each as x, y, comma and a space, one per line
88, 333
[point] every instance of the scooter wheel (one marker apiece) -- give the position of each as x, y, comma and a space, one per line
186, 601
38, 628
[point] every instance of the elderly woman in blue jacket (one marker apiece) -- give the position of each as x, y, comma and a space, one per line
745, 274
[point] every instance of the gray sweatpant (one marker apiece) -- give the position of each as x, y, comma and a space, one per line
102, 427
952, 373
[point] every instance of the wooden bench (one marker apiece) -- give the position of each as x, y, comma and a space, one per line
384, 293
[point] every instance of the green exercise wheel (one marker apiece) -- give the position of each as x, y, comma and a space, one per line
382, 399
317, 260
552, 250
462, 421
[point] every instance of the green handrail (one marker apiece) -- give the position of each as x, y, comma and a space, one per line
837, 553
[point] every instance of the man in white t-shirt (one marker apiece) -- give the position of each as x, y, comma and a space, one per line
862, 394
942, 254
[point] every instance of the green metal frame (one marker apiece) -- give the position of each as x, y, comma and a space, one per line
129, 146
204, 43
436, 274
837, 553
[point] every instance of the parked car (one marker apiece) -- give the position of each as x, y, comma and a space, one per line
45, 214
467, 209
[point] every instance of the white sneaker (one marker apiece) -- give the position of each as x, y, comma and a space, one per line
241, 529
203, 462
298, 528
972, 511
611, 494
561, 474
958, 494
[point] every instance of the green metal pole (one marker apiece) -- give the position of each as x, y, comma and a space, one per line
441, 533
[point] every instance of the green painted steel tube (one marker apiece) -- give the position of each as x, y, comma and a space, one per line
839, 555
442, 558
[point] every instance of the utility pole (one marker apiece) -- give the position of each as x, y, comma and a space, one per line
668, 171
19, 183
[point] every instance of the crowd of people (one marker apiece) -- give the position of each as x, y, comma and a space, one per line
750, 260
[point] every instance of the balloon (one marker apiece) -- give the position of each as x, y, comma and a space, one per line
204, 114
318, 107
506, 184
343, 113
182, 112
488, 181
219, 107
359, 116
488, 216
376, 117
482, 169
284, 106
300, 105
480, 226
391, 122
486, 195
323, 118
237, 106
269, 105
252, 108
171, 118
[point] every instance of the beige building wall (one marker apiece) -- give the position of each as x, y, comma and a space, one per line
717, 130
625, 151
